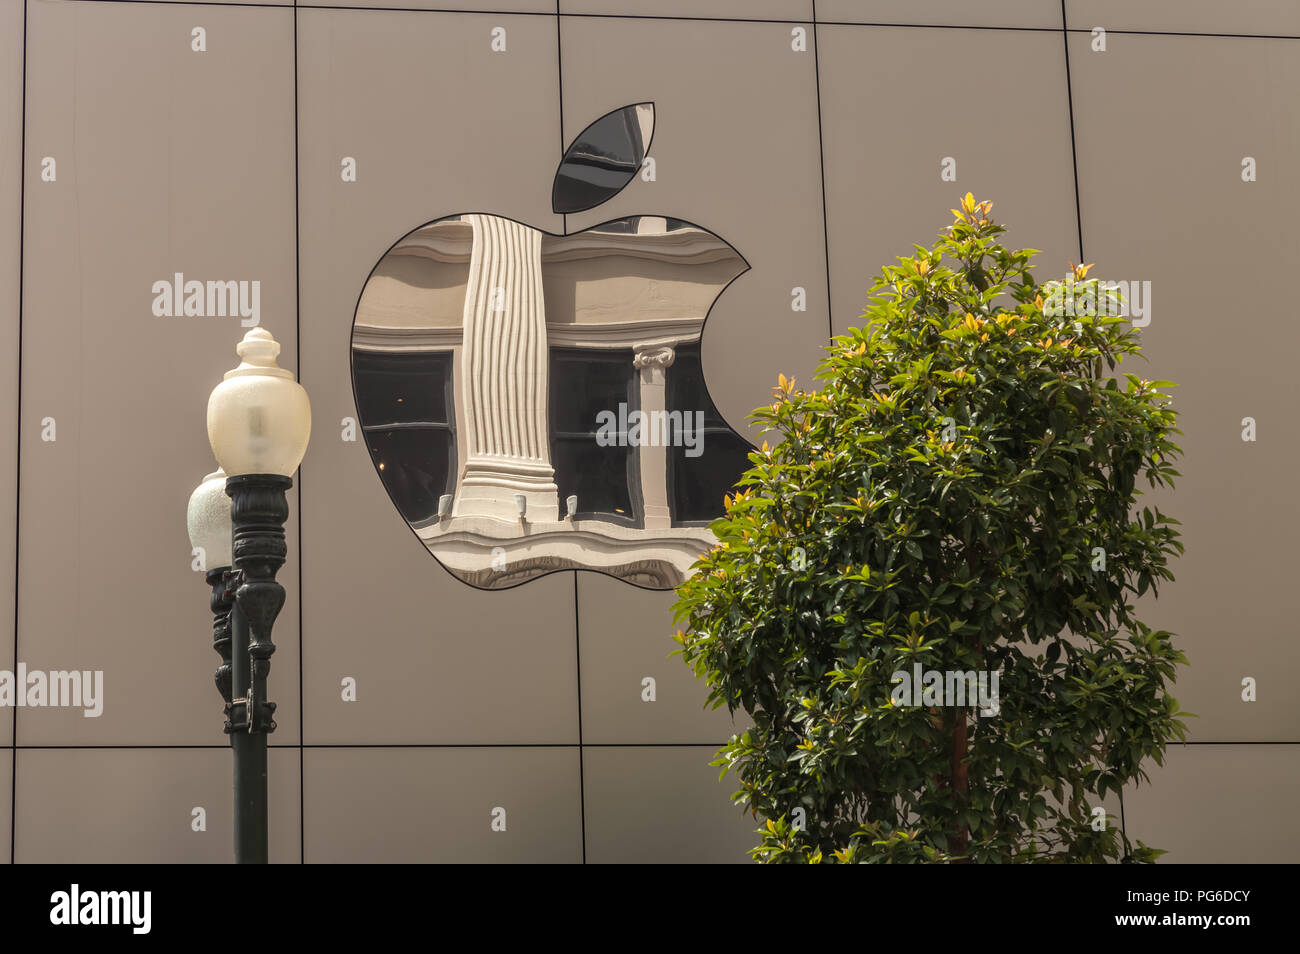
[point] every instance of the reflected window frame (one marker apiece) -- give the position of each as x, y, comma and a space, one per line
445, 357
635, 517
693, 352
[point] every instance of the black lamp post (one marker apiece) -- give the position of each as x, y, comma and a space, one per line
259, 421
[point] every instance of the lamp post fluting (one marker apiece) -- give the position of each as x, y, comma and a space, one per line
259, 422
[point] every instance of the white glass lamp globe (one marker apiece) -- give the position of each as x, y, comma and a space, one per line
208, 520
259, 418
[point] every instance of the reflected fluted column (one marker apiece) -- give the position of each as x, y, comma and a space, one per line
503, 376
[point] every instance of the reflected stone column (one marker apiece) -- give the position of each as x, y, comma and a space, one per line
653, 362
503, 376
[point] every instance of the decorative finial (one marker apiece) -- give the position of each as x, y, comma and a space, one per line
258, 351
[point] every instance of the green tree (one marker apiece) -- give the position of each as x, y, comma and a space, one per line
959, 494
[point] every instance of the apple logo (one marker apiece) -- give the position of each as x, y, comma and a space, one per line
535, 402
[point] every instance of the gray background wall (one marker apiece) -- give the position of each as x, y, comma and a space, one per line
819, 166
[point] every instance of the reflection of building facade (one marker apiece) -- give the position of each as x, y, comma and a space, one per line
484, 354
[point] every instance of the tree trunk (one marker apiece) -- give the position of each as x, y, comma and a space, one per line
958, 777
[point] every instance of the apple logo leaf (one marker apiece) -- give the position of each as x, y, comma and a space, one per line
603, 159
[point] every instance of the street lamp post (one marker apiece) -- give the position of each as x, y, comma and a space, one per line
259, 421
208, 521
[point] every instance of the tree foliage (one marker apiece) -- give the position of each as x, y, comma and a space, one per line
960, 493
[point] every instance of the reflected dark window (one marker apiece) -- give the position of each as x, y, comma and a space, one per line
698, 484
587, 388
405, 406
603, 159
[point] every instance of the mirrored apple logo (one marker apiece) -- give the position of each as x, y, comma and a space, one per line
536, 402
